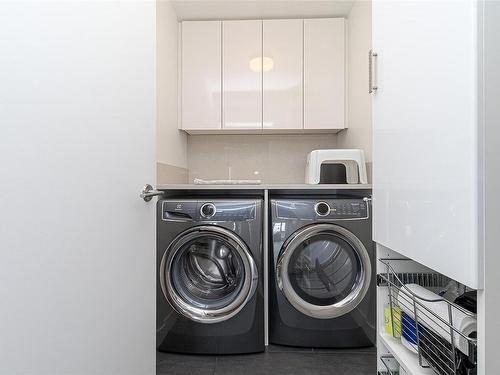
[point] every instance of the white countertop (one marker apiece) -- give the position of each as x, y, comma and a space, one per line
265, 187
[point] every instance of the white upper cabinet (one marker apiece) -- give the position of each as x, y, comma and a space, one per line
242, 75
425, 154
282, 69
324, 73
263, 76
201, 75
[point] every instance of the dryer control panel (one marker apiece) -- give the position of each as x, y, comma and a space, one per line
328, 209
348, 209
211, 211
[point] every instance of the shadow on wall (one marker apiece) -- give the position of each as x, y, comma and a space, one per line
170, 174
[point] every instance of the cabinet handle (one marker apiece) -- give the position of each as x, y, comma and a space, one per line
372, 60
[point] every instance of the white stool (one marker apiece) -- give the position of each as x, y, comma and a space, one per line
352, 159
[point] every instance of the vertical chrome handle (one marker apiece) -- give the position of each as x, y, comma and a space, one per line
372, 87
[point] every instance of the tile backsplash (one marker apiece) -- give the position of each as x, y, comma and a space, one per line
269, 158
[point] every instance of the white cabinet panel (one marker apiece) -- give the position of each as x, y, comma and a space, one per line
283, 57
425, 134
324, 73
242, 75
201, 75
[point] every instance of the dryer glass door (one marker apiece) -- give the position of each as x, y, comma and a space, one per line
324, 270
208, 274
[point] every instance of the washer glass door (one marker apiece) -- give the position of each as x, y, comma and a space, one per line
324, 270
208, 274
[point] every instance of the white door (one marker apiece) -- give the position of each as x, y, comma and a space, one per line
77, 121
242, 75
425, 174
324, 73
282, 81
201, 75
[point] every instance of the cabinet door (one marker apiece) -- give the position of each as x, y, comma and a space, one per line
78, 115
324, 73
242, 75
425, 134
201, 75
282, 69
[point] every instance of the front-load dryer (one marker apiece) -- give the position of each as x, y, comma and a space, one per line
210, 288
322, 289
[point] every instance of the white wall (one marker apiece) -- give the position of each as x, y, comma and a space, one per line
171, 142
359, 108
259, 9
77, 128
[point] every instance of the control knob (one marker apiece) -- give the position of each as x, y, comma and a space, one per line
322, 209
208, 210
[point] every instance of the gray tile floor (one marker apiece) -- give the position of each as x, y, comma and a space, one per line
277, 360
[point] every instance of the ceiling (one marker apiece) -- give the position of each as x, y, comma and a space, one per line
256, 9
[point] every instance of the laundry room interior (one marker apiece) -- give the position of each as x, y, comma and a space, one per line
278, 153
249, 187
265, 127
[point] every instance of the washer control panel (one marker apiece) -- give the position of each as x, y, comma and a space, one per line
327, 209
212, 211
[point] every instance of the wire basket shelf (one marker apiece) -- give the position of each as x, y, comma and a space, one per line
433, 328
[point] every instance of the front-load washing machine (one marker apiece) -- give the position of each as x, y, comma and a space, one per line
210, 289
322, 289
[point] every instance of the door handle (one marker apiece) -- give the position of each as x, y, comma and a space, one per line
148, 192
372, 71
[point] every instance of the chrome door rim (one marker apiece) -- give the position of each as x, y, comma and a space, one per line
208, 315
340, 308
